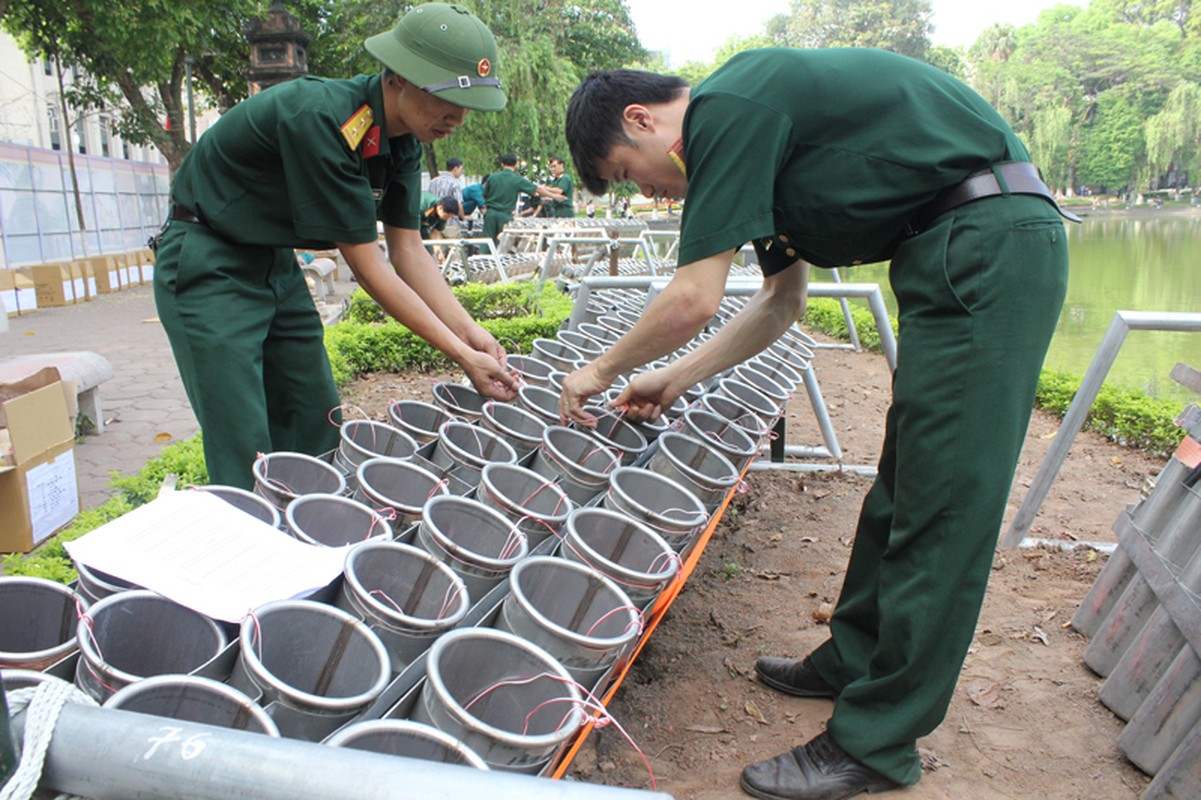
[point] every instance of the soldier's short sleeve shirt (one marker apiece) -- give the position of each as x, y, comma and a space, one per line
825, 155
306, 163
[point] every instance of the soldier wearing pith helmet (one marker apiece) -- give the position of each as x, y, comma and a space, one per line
316, 163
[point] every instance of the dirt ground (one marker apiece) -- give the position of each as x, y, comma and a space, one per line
1024, 722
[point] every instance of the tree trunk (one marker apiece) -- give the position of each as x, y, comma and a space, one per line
62, 99
431, 159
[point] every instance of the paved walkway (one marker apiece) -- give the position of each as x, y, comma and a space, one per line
144, 404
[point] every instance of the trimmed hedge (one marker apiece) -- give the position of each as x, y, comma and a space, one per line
367, 341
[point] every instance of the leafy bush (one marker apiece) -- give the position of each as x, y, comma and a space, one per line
515, 313
825, 314
1126, 416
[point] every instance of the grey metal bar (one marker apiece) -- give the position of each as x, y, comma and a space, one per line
823, 415
763, 465
1123, 322
846, 314
106, 754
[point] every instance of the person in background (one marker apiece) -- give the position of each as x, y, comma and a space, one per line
313, 163
449, 181
564, 208
841, 157
435, 213
473, 199
501, 190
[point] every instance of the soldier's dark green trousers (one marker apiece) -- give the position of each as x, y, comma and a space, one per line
249, 345
495, 222
978, 295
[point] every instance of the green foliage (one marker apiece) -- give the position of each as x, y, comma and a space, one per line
825, 314
1112, 143
1125, 416
514, 313
184, 459
1080, 85
131, 57
902, 26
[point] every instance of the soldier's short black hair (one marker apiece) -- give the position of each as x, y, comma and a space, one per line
595, 110
508, 160
450, 204
451, 163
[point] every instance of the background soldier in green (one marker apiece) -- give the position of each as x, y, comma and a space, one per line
435, 213
313, 163
562, 182
501, 189
841, 157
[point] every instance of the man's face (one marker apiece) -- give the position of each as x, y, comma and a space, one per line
457, 171
426, 116
556, 168
648, 166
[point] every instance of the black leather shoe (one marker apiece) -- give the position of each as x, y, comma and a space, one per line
821, 770
797, 678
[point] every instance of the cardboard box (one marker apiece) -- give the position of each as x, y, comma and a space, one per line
85, 280
39, 492
53, 285
146, 262
130, 273
108, 276
8, 293
17, 293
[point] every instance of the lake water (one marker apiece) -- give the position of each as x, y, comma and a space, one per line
1138, 260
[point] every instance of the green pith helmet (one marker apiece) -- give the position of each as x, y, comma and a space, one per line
446, 51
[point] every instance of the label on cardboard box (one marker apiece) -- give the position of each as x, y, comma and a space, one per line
53, 495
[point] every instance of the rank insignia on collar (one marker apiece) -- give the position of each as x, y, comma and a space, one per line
676, 154
355, 128
371, 142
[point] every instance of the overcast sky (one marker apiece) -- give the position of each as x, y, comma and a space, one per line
691, 30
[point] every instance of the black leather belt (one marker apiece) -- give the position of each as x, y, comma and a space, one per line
184, 215
1020, 177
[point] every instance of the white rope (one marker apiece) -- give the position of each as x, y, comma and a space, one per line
42, 705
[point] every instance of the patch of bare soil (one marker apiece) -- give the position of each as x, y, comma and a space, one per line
1024, 722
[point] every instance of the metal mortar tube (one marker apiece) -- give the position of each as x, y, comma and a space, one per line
8, 751
92, 749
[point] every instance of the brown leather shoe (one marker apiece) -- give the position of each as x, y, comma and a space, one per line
821, 770
797, 678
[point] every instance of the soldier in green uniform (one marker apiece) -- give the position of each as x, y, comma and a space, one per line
501, 189
840, 157
435, 213
313, 163
564, 208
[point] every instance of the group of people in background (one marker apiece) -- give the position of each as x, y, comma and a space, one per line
501, 196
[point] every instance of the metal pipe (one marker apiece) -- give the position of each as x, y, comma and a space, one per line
1123, 322
106, 754
764, 465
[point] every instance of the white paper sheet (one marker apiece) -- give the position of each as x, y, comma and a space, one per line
53, 495
203, 553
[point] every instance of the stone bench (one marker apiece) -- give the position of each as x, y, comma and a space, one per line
87, 370
321, 270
